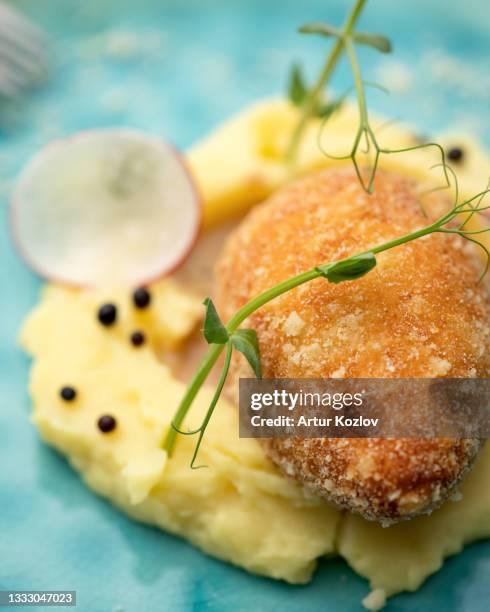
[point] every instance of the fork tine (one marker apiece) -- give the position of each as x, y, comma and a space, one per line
23, 58
33, 66
22, 43
17, 31
11, 18
10, 85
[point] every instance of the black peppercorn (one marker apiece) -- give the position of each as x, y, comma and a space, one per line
137, 338
141, 298
68, 394
107, 314
455, 154
106, 423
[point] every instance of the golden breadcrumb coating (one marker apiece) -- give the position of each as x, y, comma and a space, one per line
419, 313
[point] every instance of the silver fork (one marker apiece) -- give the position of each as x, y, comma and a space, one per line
23, 55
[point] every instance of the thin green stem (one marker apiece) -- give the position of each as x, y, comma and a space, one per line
365, 128
214, 401
269, 295
311, 102
196, 383
356, 73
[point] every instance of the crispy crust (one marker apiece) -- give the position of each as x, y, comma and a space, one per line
420, 313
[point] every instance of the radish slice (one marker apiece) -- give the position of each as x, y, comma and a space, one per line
109, 206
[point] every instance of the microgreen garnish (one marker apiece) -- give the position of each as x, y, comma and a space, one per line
311, 100
350, 269
298, 93
245, 341
215, 333
297, 89
381, 43
311, 103
214, 330
170, 440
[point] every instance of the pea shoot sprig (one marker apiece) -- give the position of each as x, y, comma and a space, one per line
231, 337
311, 102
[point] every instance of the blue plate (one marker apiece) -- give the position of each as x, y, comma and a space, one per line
177, 68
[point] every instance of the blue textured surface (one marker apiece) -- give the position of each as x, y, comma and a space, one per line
187, 65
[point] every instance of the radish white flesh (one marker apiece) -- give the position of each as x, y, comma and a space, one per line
110, 206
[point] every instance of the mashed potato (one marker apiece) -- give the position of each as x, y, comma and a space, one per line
240, 509
241, 162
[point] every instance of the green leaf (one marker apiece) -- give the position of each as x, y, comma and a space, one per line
325, 110
320, 27
381, 43
214, 330
245, 341
297, 90
378, 86
350, 269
